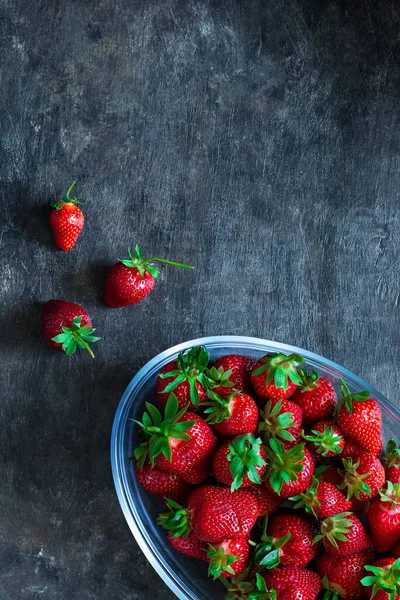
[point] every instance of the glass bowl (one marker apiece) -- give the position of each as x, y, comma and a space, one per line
187, 577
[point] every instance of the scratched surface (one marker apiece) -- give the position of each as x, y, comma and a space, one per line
259, 141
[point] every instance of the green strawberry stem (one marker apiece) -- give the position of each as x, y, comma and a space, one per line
60, 203
352, 480
385, 579
147, 264
76, 336
349, 397
335, 528
170, 262
308, 500
266, 552
308, 379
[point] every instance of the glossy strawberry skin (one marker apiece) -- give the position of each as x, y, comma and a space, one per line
356, 540
190, 546
331, 475
317, 403
268, 501
376, 478
66, 223
292, 583
239, 548
241, 367
392, 474
384, 524
332, 501
303, 478
125, 286
243, 417
363, 424
382, 563
344, 572
221, 467
57, 314
218, 514
191, 459
270, 391
299, 550
167, 485
351, 449
182, 391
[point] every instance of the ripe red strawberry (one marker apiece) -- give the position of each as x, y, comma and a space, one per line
232, 416
286, 541
167, 485
275, 376
227, 558
384, 517
218, 514
324, 440
362, 478
180, 533
384, 583
179, 442
190, 545
316, 396
328, 473
292, 583
247, 587
66, 221
341, 574
185, 377
241, 462
67, 326
289, 471
230, 372
268, 501
391, 461
322, 499
131, 280
360, 418
281, 419
343, 534
351, 449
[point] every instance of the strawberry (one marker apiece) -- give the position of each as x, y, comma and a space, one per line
66, 221
362, 478
292, 583
384, 583
232, 416
157, 482
179, 442
391, 461
324, 440
190, 545
316, 396
286, 541
230, 372
218, 514
360, 418
281, 419
246, 587
268, 501
328, 473
185, 377
180, 532
227, 558
384, 517
130, 280
275, 376
395, 551
341, 574
351, 449
322, 499
67, 326
290, 471
343, 534
241, 462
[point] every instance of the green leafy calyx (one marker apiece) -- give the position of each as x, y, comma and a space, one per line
147, 264
330, 591
67, 200
335, 529
352, 480
191, 368
349, 397
308, 379
280, 369
386, 579
219, 561
267, 552
284, 465
244, 587
275, 424
391, 458
308, 500
175, 519
217, 377
391, 494
325, 442
76, 336
244, 457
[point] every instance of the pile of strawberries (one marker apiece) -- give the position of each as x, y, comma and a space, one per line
281, 489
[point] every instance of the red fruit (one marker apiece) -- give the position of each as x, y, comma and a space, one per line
275, 376
131, 280
66, 221
179, 442
324, 440
241, 462
228, 558
341, 575
384, 583
232, 416
395, 551
67, 326
316, 396
391, 461
185, 377
322, 499
218, 514
328, 473
190, 545
384, 518
392, 474
360, 418
297, 533
351, 449
292, 583
362, 478
167, 485
181, 536
230, 372
343, 534
281, 419
290, 471
268, 501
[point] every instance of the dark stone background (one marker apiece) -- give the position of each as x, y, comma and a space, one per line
258, 140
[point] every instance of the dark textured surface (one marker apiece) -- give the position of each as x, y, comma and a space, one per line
257, 140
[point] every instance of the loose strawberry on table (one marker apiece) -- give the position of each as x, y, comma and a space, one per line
383, 579
289, 472
67, 326
241, 462
230, 372
362, 478
316, 396
66, 221
343, 534
275, 376
234, 415
130, 280
341, 575
280, 419
391, 461
384, 517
